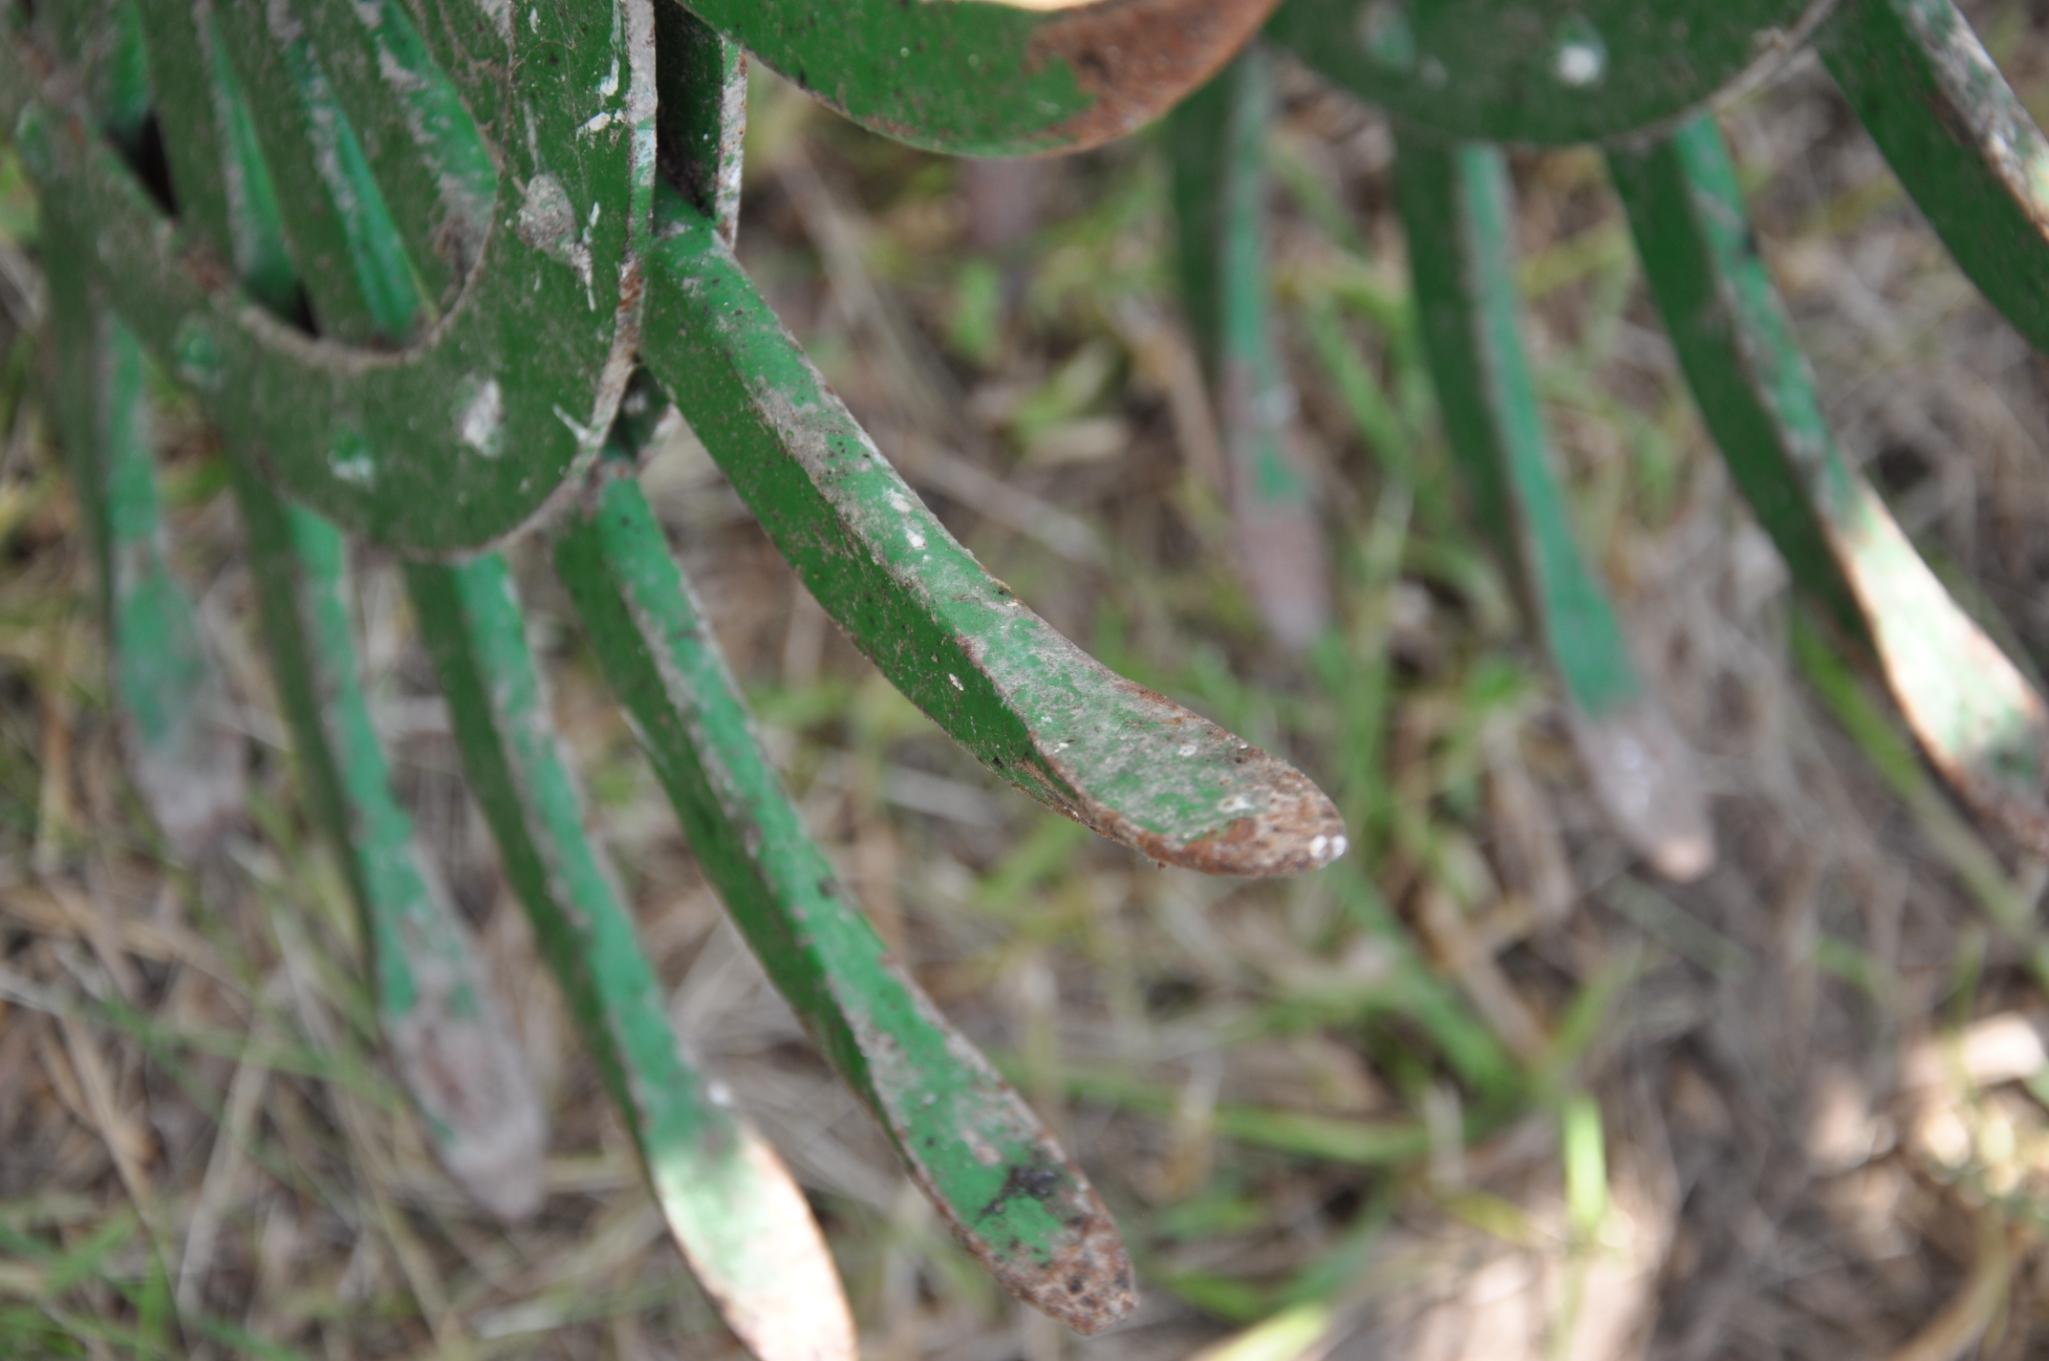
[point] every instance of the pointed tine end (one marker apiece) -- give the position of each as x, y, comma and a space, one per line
1645, 780
1086, 1284
1190, 794
486, 1120
752, 1243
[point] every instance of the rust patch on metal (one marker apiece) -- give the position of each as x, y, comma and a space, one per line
1138, 58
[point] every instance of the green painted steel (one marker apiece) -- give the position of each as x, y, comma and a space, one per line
1032, 706
1978, 717
740, 1220
1958, 138
1218, 144
995, 1173
1552, 72
993, 77
733, 1210
171, 702
700, 114
1454, 202
185, 757
447, 1034
461, 438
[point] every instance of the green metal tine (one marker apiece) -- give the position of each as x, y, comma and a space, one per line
1454, 203
733, 1209
740, 1220
1977, 716
1957, 137
185, 757
1032, 706
477, 425
363, 283
993, 77
426, 153
995, 1173
454, 1053
1218, 145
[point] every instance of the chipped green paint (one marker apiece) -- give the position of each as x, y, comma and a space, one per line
469, 433
740, 1220
1218, 144
1958, 138
1454, 202
969, 1141
1553, 72
1978, 717
1036, 709
993, 77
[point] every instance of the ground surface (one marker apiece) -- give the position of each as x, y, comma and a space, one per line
1779, 1113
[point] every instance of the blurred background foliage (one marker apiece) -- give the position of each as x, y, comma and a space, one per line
1486, 1089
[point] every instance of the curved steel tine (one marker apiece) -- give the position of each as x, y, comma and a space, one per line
1217, 142
1454, 203
993, 77
1977, 716
455, 1055
1035, 708
419, 142
184, 755
739, 1218
350, 253
1958, 138
995, 1173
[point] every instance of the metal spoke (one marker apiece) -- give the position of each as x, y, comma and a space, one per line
1980, 720
1454, 201
424, 152
1031, 705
